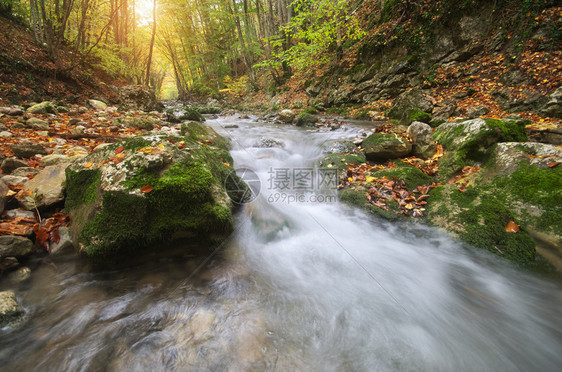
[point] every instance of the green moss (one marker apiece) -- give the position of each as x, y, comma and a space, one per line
412, 176
191, 114
201, 133
508, 131
377, 138
362, 115
437, 122
335, 160
484, 226
310, 110
82, 187
306, 119
417, 115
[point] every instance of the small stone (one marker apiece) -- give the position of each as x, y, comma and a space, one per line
13, 213
14, 180
54, 159
76, 150
37, 124
8, 263
477, 111
10, 164
97, 105
78, 130
19, 126
287, 116
10, 310
64, 243
6, 134
27, 150
74, 121
422, 138
3, 195
47, 187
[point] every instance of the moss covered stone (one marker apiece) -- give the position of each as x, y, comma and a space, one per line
159, 190
341, 161
202, 133
358, 198
305, 119
383, 146
417, 115
471, 142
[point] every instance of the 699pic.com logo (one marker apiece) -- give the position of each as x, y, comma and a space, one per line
242, 185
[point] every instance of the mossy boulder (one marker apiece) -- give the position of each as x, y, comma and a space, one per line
202, 133
148, 190
471, 142
383, 146
42, 108
139, 122
410, 175
305, 120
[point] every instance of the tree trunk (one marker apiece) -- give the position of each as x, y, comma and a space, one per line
147, 79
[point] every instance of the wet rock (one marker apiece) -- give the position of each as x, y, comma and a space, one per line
477, 111
47, 188
42, 108
411, 106
138, 98
344, 147
25, 172
268, 142
166, 191
422, 138
37, 124
3, 195
306, 119
27, 150
381, 147
15, 246
287, 116
20, 275
231, 126
97, 105
10, 310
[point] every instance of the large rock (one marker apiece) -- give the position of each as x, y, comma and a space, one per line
15, 246
137, 98
135, 123
27, 150
184, 114
287, 116
45, 189
42, 108
10, 310
382, 146
148, 190
411, 106
421, 135
477, 111
470, 142
510, 156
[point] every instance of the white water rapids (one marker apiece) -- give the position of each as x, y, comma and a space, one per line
299, 286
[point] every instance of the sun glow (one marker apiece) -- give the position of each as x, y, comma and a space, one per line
143, 10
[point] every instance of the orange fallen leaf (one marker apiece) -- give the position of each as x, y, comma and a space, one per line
512, 227
553, 164
147, 189
119, 150
88, 164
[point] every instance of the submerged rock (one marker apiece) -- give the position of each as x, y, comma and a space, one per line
148, 190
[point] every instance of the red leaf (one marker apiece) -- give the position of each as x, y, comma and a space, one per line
147, 189
553, 164
119, 150
512, 227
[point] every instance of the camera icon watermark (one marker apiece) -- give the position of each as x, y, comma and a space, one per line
284, 185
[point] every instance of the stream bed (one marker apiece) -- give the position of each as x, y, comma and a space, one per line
303, 284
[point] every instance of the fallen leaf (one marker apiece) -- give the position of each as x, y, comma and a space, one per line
553, 164
88, 164
146, 189
512, 227
119, 150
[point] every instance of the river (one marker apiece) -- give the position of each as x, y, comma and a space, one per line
303, 284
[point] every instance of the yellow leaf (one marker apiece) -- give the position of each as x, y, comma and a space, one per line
370, 179
409, 206
88, 164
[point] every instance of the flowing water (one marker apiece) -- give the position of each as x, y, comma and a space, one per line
307, 285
